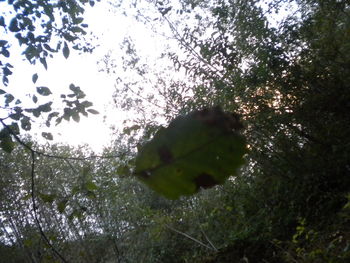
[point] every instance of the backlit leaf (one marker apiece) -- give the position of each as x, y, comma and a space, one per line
8, 99
47, 135
14, 25
35, 78
44, 91
65, 50
199, 150
75, 116
25, 123
92, 111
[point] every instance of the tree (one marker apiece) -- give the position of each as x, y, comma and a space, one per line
42, 29
289, 83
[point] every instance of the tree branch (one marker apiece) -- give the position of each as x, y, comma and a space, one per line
189, 237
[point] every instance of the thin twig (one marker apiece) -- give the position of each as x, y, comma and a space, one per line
189, 237
206, 237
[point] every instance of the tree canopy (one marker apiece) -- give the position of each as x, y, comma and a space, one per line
244, 126
39, 30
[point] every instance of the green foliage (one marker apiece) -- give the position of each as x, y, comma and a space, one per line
289, 203
196, 151
6, 142
42, 29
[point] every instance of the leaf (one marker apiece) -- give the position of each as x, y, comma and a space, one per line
78, 30
90, 186
92, 111
2, 21
43, 62
45, 107
47, 198
77, 92
46, 46
14, 128
14, 25
69, 37
7, 71
67, 114
8, 99
86, 104
43, 91
78, 20
31, 52
199, 150
6, 142
5, 80
2, 91
25, 123
61, 206
3, 43
65, 50
50, 117
75, 116
6, 53
16, 116
47, 135
35, 78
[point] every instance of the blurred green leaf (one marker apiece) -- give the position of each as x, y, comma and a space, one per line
91, 186
61, 206
47, 198
199, 150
